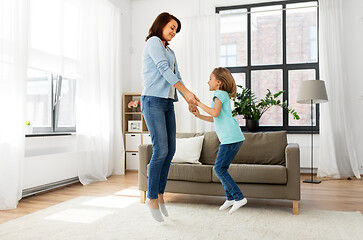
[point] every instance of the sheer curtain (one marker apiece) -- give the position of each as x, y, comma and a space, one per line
337, 151
196, 48
54, 27
13, 69
80, 39
98, 94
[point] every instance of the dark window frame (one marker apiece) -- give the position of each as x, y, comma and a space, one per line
285, 67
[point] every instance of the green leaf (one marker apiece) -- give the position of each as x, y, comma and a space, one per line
246, 104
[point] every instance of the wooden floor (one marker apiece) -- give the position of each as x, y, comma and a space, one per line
331, 194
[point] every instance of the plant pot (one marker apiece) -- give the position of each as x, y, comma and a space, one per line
135, 109
28, 129
252, 125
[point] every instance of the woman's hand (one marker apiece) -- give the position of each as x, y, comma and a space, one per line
188, 95
191, 98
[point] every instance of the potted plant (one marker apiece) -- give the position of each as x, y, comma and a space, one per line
245, 104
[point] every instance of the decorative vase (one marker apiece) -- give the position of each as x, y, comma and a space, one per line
252, 125
136, 109
28, 129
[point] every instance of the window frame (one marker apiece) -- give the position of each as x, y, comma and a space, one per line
227, 56
285, 67
55, 91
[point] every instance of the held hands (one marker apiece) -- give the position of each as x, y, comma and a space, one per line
193, 102
191, 98
195, 111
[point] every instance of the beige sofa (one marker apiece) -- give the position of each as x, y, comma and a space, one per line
265, 167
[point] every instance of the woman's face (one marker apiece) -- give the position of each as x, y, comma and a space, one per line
169, 31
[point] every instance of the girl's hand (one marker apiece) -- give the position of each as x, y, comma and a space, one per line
192, 108
196, 112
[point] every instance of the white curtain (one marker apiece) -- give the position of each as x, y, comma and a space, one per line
53, 38
13, 69
337, 150
98, 96
197, 49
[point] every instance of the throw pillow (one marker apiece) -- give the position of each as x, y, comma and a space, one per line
188, 150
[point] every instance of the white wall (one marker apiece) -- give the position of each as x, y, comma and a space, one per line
145, 11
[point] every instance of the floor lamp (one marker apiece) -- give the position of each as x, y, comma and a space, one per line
312, 92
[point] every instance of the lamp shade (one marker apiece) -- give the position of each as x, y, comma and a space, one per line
312, 91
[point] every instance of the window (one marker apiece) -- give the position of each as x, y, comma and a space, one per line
50, 104
228, 55
274, 47
233, 30
53, 48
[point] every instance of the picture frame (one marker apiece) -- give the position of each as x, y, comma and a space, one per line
134, 126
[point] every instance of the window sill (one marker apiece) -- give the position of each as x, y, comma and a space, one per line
50, 134
292, 130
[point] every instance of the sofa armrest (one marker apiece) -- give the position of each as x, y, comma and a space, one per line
145, 153
292, 158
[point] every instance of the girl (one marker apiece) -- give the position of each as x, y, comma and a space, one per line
228, 131
161, 78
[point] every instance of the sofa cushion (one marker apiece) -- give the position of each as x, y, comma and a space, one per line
188, 135
210, 146
188, 150
189, 172
263, 148
251, 173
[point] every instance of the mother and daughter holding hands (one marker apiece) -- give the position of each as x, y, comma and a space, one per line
161, 79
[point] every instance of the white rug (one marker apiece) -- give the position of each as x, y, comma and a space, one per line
118, 217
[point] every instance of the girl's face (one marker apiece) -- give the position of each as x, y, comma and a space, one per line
169, 31
214, 84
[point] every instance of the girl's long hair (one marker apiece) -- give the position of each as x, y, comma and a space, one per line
228, 83
158, 25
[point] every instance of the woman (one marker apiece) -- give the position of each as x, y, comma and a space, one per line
161, 78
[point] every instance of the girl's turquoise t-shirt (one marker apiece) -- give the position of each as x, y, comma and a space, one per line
226, 126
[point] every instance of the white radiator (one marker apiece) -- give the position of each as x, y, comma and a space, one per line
47, 187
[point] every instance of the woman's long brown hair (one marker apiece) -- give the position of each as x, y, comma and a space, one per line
158, 25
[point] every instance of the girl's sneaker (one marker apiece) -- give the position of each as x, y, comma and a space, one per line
226, 204
237, 205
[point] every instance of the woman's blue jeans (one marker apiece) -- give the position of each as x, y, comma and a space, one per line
226, 154
160, 119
